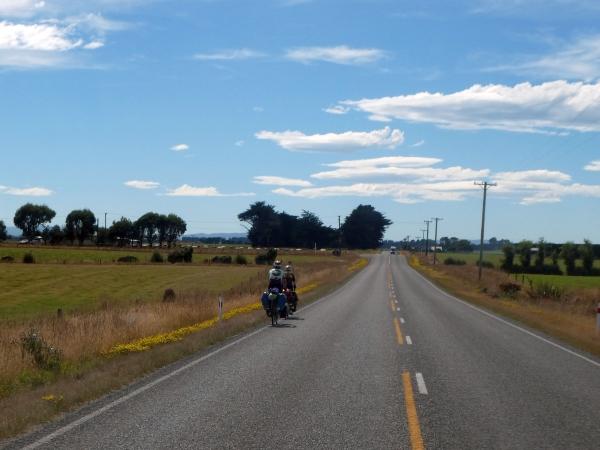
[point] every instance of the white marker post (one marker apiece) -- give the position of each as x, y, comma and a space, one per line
220, 308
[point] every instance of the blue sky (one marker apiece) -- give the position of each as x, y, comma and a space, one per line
202, 107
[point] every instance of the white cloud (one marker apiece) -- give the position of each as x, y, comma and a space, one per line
338, 55
186, 190
335, 142
593, 166
548, 107
229, 55
396, 161
532, 176
41, 37
337, 109
577, 60
180, 148
140, 184
240, 143
20, 8
26, 192
418, 144
423, 173
281, 181
94, 45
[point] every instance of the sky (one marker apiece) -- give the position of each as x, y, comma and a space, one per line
202, 107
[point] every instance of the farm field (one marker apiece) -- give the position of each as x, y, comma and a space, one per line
87, 255
573, 282
30, 290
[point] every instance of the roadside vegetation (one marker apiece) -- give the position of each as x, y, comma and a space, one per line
560, 305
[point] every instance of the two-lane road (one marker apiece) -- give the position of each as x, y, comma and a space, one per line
386, 361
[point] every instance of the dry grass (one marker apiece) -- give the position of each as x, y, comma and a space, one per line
85, 338
570, 317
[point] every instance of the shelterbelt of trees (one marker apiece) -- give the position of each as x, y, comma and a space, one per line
81, 225
363, 228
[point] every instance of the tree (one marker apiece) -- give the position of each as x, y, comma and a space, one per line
540, 257
311, 231
586, 252
263, 223
3, 234
524, 252
121, 231
176, 227
56, 235
29, 218
569, 254
147, 227
80, 224
509, 257
364, 227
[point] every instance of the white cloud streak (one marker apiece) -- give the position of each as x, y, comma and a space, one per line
281, 181
551, 107
26, 192
230, 55
186, 190
141, 184
593, 166
341, 54
180, 148
334, 142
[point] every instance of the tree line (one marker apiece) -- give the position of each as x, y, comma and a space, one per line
533, 257
82, 225
363, 228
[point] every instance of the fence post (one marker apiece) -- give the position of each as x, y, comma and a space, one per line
220, 308
598, 319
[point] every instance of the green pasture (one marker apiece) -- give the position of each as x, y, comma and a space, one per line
570, 282
34, 289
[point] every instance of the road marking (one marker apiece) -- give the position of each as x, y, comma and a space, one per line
396, 301
391, 305
421, 384
414, 428
506, 322
398, 309
401, 319
398, 332
408, 340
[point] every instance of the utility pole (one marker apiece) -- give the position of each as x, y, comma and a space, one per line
105, 220
437, 219
423, 239
427, 241
339, 236
485, 186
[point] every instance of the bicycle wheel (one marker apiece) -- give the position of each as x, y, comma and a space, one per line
274, 312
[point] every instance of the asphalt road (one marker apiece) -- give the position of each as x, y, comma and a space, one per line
386, 361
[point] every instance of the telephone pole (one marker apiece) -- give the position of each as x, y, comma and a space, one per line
485, 186
437, 219
427, 241
423, 239
105, 220
339, 235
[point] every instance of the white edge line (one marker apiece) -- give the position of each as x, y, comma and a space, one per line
65, 429
408, 340
506, 322
421, 383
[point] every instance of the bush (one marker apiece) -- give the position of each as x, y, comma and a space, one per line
543, 289
266, 258
485, 264
169, 296
509, 289
157, 258
44, 356
181, 255
7, 259
221, 260
28, 258
127, 259
454, 262
241, 259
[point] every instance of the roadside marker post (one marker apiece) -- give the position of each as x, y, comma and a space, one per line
598, 319
220, 308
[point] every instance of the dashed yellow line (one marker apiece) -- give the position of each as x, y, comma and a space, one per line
414, 429
392, 305
399, 337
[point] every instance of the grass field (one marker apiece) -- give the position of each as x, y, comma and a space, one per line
87, 255
35, 289
567, 281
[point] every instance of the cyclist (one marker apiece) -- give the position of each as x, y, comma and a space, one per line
289, 279
270, 295
276, 276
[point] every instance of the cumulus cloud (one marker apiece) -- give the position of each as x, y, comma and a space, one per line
281, 181
552, 107
335, 142
593, 166
230, 55
186, 190
26, 192
180, 148
140, 184
341, 54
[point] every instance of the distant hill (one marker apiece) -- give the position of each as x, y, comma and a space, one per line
215, 235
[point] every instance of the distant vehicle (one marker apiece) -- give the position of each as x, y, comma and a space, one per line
392, 250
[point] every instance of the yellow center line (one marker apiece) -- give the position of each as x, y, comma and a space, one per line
414, 428
392, 305
398, 331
